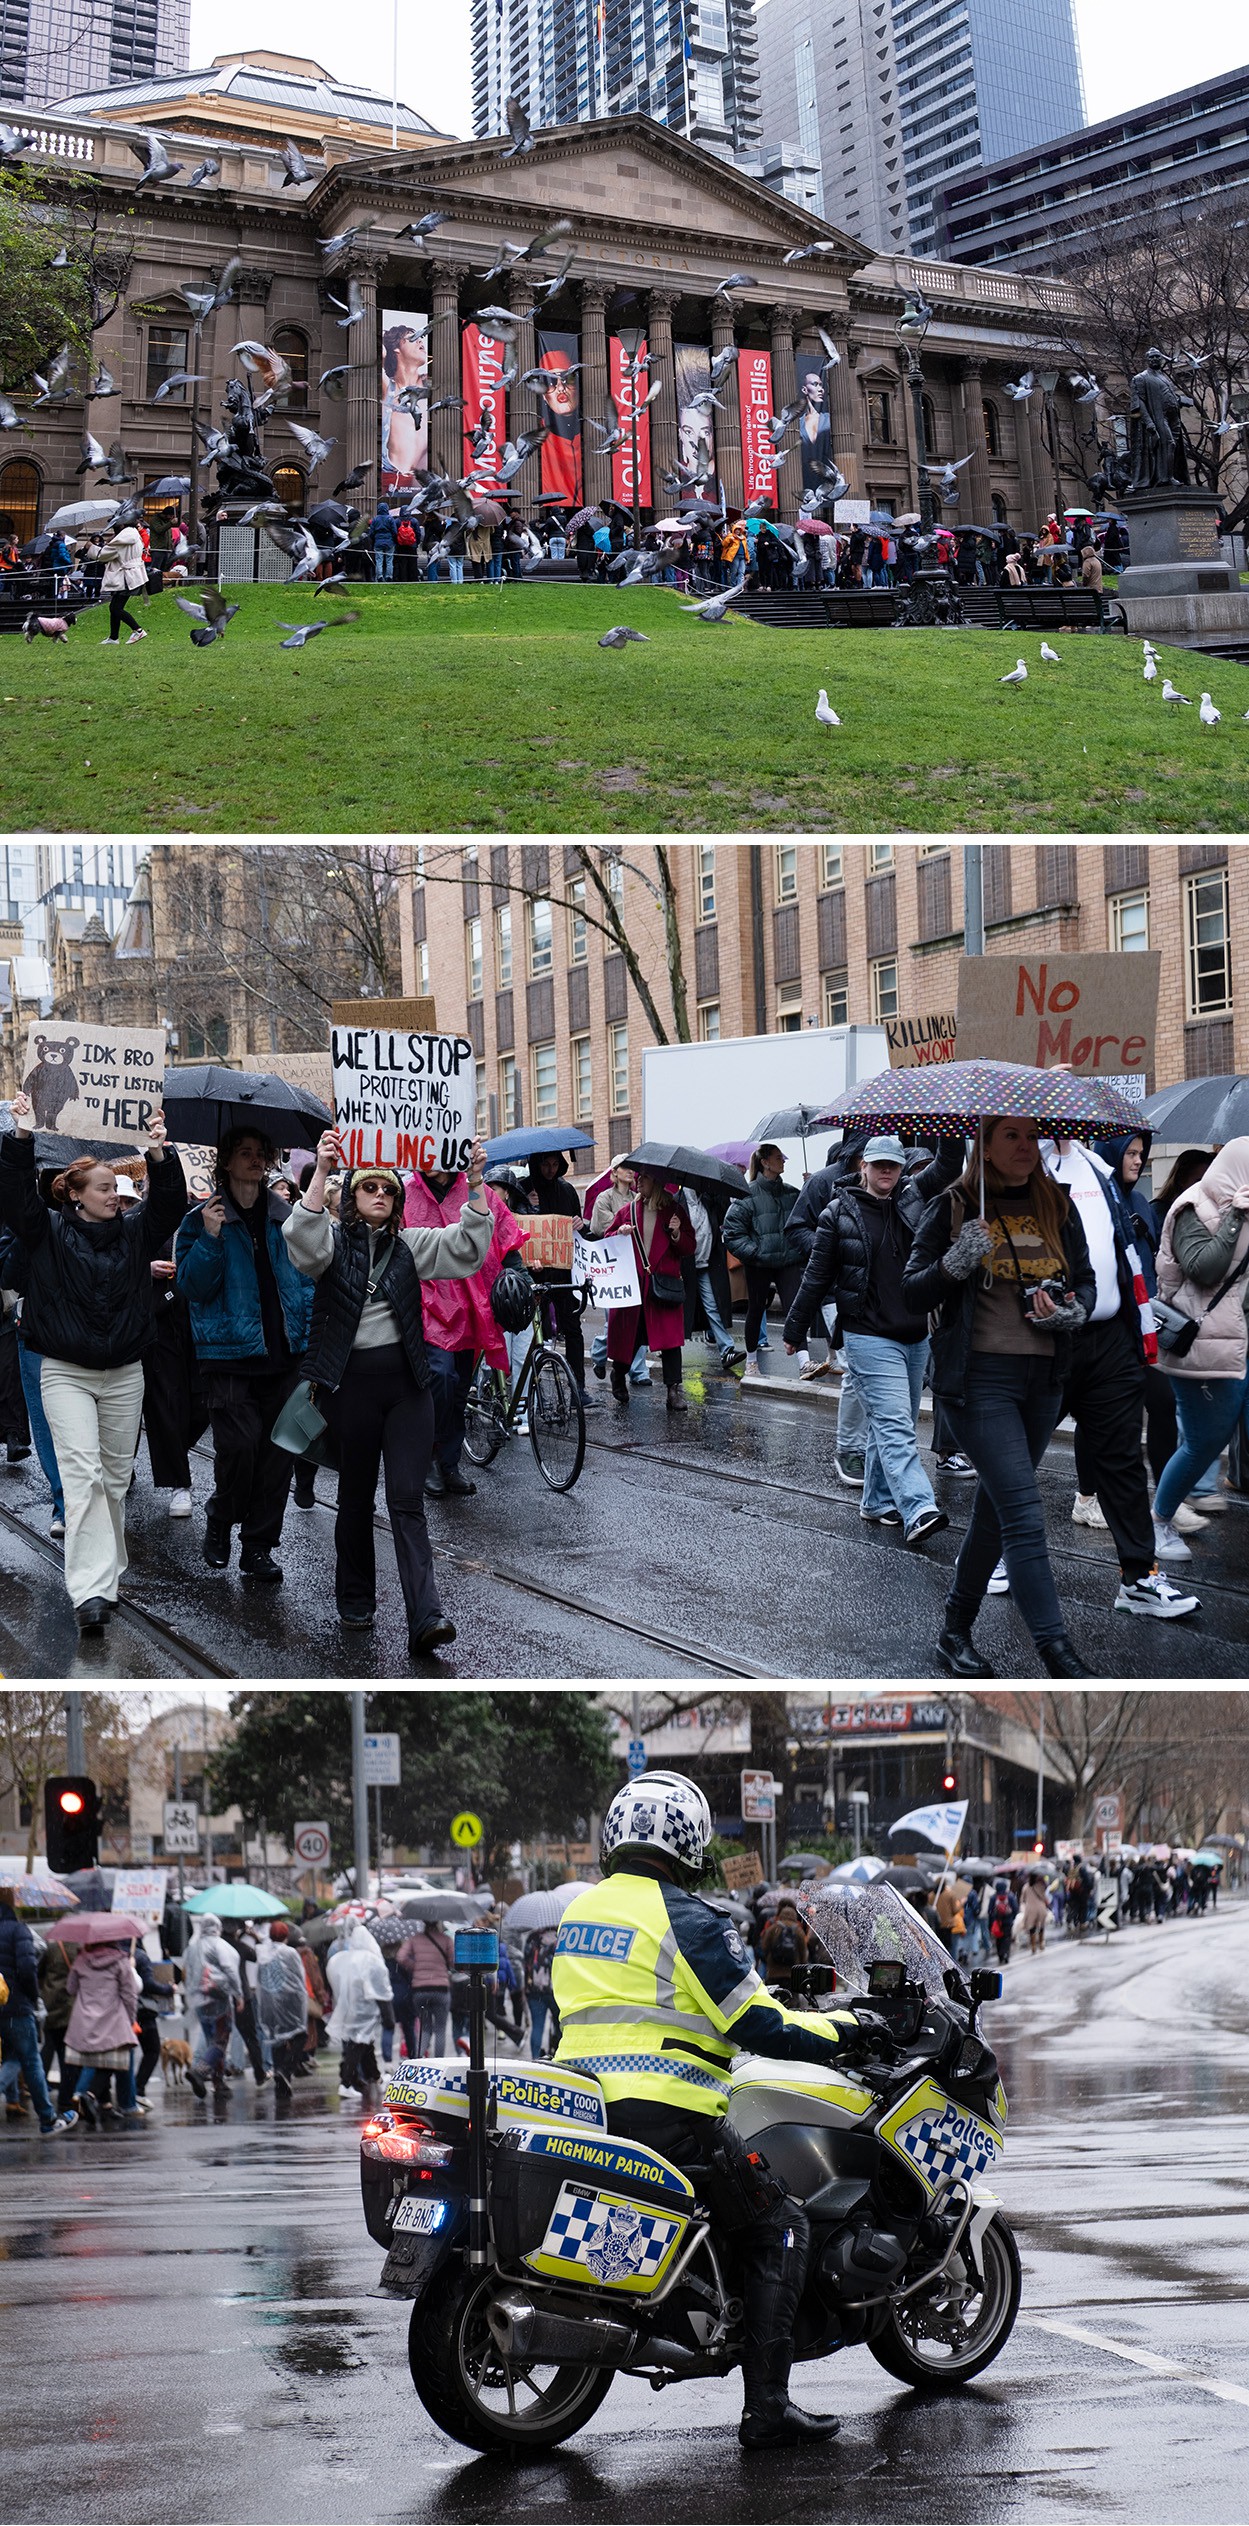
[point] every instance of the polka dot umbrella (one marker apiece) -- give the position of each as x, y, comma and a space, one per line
959, 1096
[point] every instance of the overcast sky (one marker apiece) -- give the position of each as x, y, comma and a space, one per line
1130, 47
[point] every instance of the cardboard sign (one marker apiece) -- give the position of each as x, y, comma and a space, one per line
141, 1892
915, 1041
406, 1100
551, 1242
94, 1082
1096, 1015
609, 1264
744, 1869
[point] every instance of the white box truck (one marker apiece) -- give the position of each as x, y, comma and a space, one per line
704, 1094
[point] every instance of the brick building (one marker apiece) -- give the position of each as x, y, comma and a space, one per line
776, 937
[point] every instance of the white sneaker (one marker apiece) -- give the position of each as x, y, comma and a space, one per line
999, 1584
752, 1374
1210, 1503
1087, 1510
1155, 1595
180, 1504
110, 643
57, 1530
1167, 1544
137, 635
1186, 1521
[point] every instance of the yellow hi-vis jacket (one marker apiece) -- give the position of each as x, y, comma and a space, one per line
656, 1992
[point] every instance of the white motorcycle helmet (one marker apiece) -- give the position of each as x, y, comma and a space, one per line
662, 1812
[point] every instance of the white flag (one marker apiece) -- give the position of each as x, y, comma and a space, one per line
942, 1825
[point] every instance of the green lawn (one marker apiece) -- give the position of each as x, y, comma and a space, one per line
476, 710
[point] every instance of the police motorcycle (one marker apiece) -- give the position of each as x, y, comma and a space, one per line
543, 2256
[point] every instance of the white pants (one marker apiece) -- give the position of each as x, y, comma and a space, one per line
93, 1414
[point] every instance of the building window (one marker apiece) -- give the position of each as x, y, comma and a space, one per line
503, 946
210, 1042
483, 1102
288, 483
577, 937
1209, 945
837, 997
472, 956
545, 1083
787, 872
618, 1062
832, 864
166, 352
582, 1079
292, 346
884, 981
880, 419
509, 1098
614, 874
706, 881
789, 1008
1129, 921
879, 856
1001, 514
709, 1022
992, 429
422, 966
20, 486
541, 938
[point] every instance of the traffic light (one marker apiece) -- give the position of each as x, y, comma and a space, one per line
71, 1815
949, 1782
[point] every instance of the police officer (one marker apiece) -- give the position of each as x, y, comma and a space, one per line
656, 1993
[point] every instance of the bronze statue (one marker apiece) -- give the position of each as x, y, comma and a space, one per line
240, 464
1159, 447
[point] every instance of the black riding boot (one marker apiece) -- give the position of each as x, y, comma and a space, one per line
775, 2254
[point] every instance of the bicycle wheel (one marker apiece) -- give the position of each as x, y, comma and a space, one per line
485, 1409
556, 1421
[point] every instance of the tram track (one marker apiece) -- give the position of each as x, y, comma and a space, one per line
152, 1628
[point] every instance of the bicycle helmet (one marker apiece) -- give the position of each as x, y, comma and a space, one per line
662, 1812
513, 1298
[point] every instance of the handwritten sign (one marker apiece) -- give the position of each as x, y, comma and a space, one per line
609, 1264
741, 1870
406, 1100
1095, 1015
94, 1083
141, 1892
550, 1246
914, 1042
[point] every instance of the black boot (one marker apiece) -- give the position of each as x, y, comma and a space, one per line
92, 1616
776, 2256
620, 1385
1059, 1658
216, 1544
958, 1655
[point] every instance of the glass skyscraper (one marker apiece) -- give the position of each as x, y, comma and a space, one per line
903, 93
690, 64
51, 49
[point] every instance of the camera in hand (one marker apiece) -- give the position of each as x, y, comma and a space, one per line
1056, 1288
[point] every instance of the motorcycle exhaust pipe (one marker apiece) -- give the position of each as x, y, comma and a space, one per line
522, 2331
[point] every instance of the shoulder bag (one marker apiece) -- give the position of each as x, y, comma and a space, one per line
1177, 1330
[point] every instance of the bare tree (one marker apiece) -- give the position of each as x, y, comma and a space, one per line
599, 870
33, 1751
280, 933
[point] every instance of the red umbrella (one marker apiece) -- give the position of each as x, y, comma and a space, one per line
96, 1929
815, 526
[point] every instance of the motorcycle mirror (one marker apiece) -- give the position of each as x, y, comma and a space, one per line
986, 1986
956, 1984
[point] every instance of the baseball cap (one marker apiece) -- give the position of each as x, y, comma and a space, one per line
885, 1150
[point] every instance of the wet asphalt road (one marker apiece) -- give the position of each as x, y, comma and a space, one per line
717, 1544
193, 2330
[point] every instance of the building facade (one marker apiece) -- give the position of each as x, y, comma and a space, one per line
778, 937
897, 94
689, 64
49, 48
1038, 204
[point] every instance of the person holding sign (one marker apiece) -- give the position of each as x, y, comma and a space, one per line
369, 1369
548, 1195
87, 1312
662, 1237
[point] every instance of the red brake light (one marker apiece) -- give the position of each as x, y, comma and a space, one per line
406, 2144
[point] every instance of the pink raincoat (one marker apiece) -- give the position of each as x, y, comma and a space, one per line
105, 1989
457, 1314
664, 1326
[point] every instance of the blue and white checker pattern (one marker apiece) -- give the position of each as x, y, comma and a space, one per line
948, 2143
614, 2240
655, 2066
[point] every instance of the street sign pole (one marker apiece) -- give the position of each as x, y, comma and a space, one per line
75, 1746
359, 1799
177, 1791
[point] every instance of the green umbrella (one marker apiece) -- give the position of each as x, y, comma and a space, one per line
236, 1902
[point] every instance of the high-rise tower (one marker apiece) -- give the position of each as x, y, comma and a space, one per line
688, 63
51, 49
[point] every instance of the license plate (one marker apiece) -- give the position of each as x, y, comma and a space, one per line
418, 2211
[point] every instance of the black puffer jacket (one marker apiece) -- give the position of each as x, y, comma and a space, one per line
952, 1304
841, 1257
87, 1283
339, 1304
843, 1168
756, 1224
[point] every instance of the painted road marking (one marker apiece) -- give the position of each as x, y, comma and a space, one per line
1141, 2359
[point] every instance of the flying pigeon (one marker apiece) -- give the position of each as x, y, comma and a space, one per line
619, 635
302, 633
314, 446
209, 618
805, 254
177, 378
202, 301
833, 355
297, 541
351, 481
1172, 693
10, 417
354, 303
1022, 393
444, 403
60, 259
824, 712
13, 145
102, 384
1085, 389
527, 444
296, 165
1225, 427
947, 476
1050, 656
543, 377
706, 403
511, 255
46, 626
1151, 669
261, 509
736, 280
333, 382
1209, 716
158, 166
331, 246
713, 608
550, 288
54, 388
1019, 676
419, 229
916, 314
118, 466
724, 360
518, 125
201, 173
778, 422
93, 457
612, 434
501, 320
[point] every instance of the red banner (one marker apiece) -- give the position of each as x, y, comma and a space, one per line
754, 388
626, 392
561, 453
484, 359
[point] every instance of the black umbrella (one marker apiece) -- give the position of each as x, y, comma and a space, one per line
1211, 1109
790, 1122
205, 1100
37, 546
686, 1166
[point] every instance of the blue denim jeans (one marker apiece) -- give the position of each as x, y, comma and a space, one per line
558, 547
1209, 1409
1009, 1413
32, 1387
715, 1326
21, 2052
890, 1376
639, 1373
432, 2009
126, 2090
216, 2025
539, 2011
851, 1414
384, 562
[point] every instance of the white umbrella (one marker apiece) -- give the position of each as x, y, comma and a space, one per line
541, 1911
859, 1872
78, 513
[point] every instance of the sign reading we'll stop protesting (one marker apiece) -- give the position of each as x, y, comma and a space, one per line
406, 1100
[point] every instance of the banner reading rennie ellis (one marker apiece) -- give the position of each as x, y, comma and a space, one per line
754, 388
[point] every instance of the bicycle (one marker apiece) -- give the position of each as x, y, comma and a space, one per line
546, 1391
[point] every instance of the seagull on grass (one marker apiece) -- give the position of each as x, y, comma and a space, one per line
1019, 674
824, 711
1172, 693
1210, 717
1050, 656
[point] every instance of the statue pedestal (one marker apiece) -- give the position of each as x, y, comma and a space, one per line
1178, 583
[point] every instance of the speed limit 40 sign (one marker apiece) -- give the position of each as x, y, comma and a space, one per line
312, 1844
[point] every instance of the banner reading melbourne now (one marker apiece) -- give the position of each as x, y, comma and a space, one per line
406, 1100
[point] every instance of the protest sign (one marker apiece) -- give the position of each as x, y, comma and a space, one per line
1093, 1014
550, 1246
609, 1264
742, 1869
94, 1083
404, 1099
915, 1041
141, 1892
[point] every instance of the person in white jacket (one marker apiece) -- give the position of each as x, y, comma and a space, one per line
125, 572
363, 2004
214, 1989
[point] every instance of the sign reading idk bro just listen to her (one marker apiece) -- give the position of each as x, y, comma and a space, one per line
406, 1100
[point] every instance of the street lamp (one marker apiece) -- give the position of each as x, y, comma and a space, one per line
912, 328
1047, 380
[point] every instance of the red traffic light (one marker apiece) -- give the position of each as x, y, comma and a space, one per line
70, 1803
949, 1783
71, 1816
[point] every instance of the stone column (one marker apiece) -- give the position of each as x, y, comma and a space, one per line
663, 411
446, 440
360, 435
843, 413
523, 408
1029, 514
975, 444
781, 321
729, 422
595, 466
1042, 461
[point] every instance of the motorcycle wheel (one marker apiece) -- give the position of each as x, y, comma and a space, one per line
476, 2396
942, 2340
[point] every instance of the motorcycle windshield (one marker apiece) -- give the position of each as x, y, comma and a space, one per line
859, 1926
